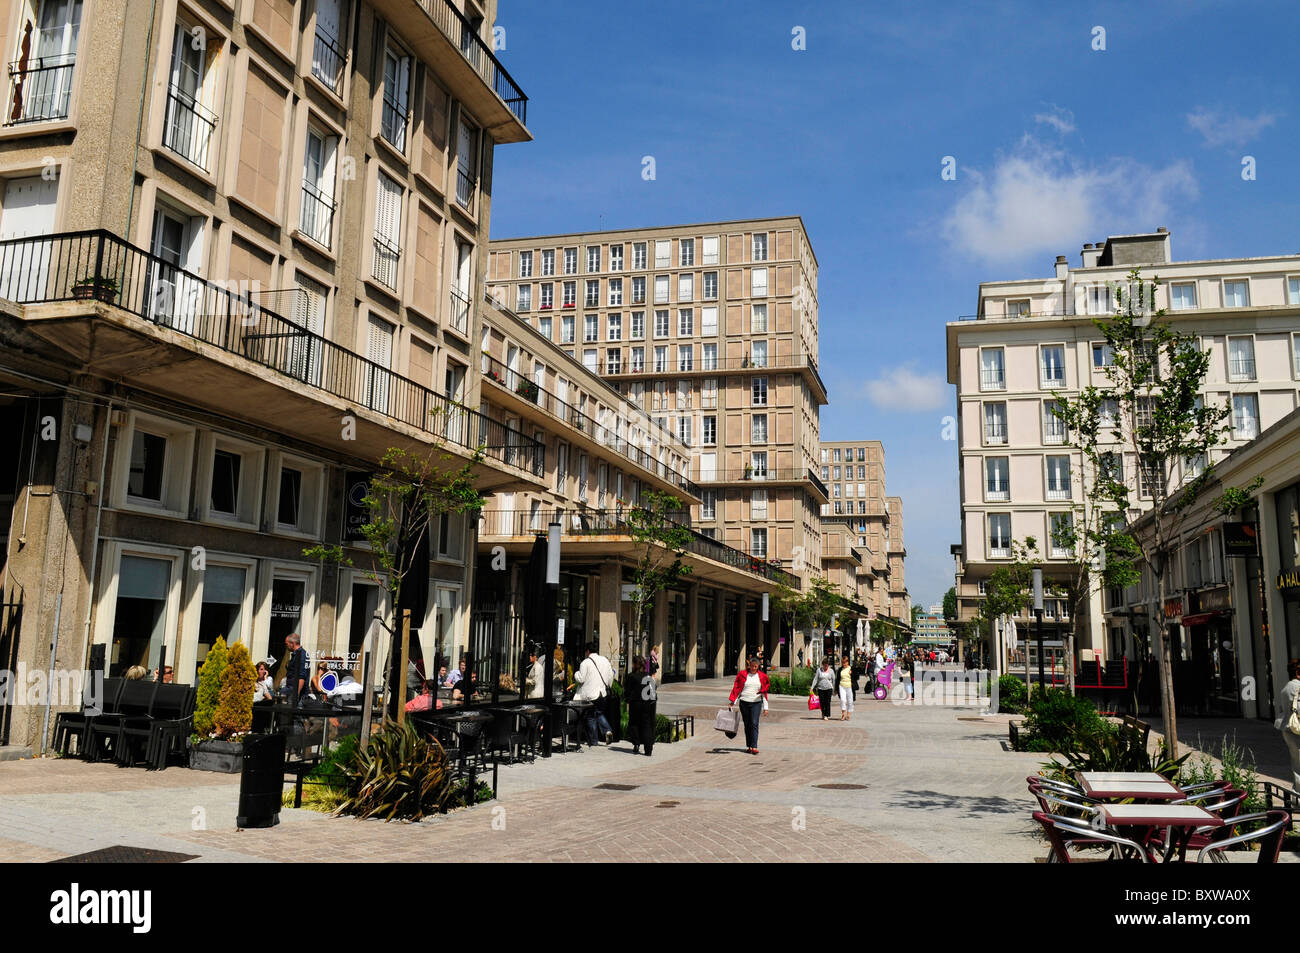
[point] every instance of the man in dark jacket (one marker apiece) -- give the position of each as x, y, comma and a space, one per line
296, 674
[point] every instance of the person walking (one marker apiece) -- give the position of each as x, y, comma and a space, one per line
846, 689
823, 684
641, 694
750, 689
595, 676
1289, 708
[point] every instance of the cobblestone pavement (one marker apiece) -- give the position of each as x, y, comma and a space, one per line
907, 784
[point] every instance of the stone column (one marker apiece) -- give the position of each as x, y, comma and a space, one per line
742, 623
692, 628
609, 596
719, 636
660, 630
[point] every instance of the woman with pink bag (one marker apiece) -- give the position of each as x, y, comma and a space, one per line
823, 684
750, 688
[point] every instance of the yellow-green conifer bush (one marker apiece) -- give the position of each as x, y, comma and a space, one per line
234, 715
209, 693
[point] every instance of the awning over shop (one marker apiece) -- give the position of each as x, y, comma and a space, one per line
1201, 618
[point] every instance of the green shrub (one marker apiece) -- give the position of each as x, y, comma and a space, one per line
1058, 721
209, 691
1011, 694
399, 774
663, 729
1238, 769
1116, 749
799, 683
234, 714
331, 771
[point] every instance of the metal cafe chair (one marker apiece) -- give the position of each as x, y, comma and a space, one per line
1062, 832
1269, 837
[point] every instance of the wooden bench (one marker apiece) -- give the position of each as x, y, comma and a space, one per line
1139, 728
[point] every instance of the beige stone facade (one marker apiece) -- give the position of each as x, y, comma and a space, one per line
1031, 337
711, 330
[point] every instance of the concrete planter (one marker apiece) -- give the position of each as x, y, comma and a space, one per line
224, 757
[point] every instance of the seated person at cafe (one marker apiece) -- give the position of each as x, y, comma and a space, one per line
457, 675
442, 677
464, 689
426, 700
348, 687
263, 691
536, 675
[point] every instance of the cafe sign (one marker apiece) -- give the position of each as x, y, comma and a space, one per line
355, 512
1240, 539
1289, 582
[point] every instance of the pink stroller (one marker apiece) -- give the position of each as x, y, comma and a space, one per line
883, 679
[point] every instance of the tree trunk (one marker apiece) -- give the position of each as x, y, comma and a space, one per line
1166, 673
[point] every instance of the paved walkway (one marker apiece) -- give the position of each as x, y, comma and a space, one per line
906, 784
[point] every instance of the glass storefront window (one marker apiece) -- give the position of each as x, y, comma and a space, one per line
140, 614
223, 597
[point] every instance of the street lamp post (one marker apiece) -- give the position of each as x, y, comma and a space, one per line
553, 595
1038, 622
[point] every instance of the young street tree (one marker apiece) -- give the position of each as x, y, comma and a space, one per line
1145, 437
664, 542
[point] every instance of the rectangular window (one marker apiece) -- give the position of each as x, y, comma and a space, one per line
638, 289
685, 357
1182, 297
995, 423
569, 290
615, 257
396, 114
759, 353
758, 429
661, 289
571, 261
1151, 478
148, 462
709, 393
388, 229
1245, 416
758, 464
544, 327
661, 324
524, 298
708, 504
1295, 354
758, 283
316, 218
710, 286
992, 376
758, 319
1241, 359
593, 259
638, 326
590, 328
760, 246
614, 360
1052, 365
1236, 294
1058, 478
999, 535
758, 391
525, 264
663, 253
1103, 355
593, 293
614, 327
709, 322
1018, 308
758, 543
997, 487
758, 504
685, 323
709, 359
686, 246
548, 262
615, 291
710, 250
661, 359
591, 359
547, 301
638, 362
684, 429
685, 287
709, 431
1053, 426
638, 256
1108, 414
566, 329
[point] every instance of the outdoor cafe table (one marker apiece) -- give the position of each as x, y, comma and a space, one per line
1182, 820
1119, 785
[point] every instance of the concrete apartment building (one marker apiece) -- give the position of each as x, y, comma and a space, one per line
238, 242
871, 522
1032, 336
710, 329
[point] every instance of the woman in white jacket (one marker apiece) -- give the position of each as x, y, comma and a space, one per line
1287, 705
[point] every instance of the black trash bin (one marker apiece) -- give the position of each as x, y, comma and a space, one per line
261, 781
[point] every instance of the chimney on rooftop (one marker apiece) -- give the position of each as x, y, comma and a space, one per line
1062, 266
1090, 254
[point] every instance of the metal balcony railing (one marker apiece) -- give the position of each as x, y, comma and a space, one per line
465, 188
1241, 369
992, 380
317, 218
613, 522
387, 257
99, 266
327, 60
521, 386
765, 475
459, 311
41, 89
460, 31
189, 128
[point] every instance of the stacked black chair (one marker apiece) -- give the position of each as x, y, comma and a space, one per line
76, 724
134, 702
165, 728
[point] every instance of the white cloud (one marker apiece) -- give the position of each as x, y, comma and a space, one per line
1062, 120
1228, 130
1038, 199
904, 389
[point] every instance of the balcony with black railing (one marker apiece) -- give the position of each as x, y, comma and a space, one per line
317, 217
100, 269
387, 257
752, 474
459, 311
327, 61
579, 523
706, 365
189, 129
466, 187
41, 88
601, 432
441, 35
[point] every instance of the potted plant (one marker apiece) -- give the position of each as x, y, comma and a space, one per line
90, 286
527, 390
223, 711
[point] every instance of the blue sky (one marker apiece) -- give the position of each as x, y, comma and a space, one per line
1056, 144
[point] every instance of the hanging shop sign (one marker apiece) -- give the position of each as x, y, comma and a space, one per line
1240, 539
1289, 582
355, 512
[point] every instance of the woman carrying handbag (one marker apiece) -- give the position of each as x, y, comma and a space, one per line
750, 688
823, 685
